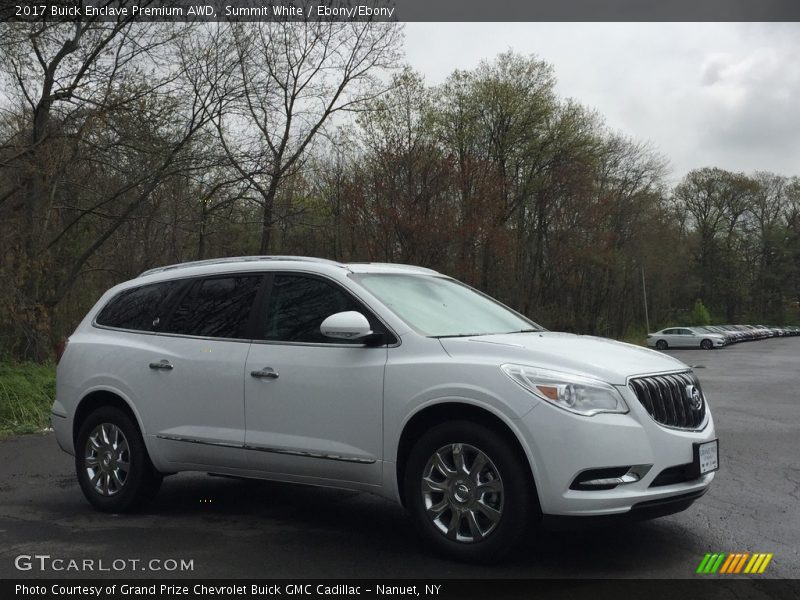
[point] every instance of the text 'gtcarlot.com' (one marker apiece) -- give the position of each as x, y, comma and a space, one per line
46, 562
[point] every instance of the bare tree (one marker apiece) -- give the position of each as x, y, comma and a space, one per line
101, 121
291, 79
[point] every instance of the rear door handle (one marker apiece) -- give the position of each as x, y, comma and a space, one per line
265, 373
163, 365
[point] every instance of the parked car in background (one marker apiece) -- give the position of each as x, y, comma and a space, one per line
685, 337
730, 338
745, 334
761, 331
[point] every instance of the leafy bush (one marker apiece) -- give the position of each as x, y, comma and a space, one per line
700, 314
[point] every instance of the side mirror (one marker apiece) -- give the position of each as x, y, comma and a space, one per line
349, 325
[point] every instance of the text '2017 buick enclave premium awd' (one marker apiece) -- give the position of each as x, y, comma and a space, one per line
387, 378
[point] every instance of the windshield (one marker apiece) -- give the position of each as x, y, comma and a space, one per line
442, 307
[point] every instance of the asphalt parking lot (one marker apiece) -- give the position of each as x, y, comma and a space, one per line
234, 528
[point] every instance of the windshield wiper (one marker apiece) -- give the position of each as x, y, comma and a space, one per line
455, 335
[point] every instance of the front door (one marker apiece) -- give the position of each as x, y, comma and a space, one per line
313, 405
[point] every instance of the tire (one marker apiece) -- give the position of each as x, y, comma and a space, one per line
108, 442
662, 344
500, 514
707, 345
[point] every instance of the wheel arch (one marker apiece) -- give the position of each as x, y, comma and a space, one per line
103, 397
448, 410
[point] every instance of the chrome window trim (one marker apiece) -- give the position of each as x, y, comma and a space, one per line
320, 344
177, 335
399, 342
243, 340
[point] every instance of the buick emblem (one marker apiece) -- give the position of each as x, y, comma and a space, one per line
695, 399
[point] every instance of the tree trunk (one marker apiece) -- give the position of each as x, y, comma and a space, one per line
267, 216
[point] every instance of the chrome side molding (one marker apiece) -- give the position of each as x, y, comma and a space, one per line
257, 448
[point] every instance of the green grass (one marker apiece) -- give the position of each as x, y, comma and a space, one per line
26, 395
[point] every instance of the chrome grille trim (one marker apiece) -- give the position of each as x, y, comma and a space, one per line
666, 400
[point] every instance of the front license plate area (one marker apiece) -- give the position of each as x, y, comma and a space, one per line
706, 457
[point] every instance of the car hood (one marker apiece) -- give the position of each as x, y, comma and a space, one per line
596, 357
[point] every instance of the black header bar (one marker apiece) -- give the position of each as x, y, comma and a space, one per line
403, 10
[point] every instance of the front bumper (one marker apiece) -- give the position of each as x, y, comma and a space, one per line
649, 509
563, 445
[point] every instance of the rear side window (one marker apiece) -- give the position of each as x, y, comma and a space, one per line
298, 305
140, 308
216, 307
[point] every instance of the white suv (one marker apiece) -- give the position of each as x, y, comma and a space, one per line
385, 378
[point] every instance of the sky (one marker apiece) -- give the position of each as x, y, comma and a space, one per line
703, 94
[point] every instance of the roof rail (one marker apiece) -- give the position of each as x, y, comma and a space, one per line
399, 266
237, 259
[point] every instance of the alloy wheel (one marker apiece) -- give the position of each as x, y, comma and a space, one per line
107, 459
462, 493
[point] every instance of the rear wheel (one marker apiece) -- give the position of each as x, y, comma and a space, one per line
469, 492
662, 344
706, 344
112, 464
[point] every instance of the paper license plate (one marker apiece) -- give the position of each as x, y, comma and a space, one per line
706, 456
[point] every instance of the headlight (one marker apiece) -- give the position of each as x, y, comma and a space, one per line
580, 395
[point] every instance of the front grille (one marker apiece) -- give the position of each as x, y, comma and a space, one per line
668, 399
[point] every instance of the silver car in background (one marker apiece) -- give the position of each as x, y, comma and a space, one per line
685, 337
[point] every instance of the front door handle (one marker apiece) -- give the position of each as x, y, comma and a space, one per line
265, 373
164, 365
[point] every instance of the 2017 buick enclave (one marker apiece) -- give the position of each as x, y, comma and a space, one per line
386, 378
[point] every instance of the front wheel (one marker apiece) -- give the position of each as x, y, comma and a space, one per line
112, 464
707, 345
469, 492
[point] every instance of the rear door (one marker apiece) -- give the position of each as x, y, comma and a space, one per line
690, 338
314, 405
672, 338
191, 370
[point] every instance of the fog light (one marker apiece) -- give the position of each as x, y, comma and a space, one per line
609, 478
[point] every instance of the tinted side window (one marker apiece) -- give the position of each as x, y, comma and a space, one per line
138, 308
216, 307
298, 305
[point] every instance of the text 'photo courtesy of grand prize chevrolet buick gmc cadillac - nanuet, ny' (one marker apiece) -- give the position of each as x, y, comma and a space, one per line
385, 378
